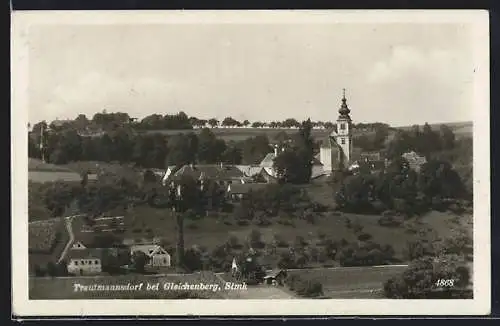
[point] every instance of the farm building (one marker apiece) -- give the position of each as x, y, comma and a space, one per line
158, 257
275, 277
84, 261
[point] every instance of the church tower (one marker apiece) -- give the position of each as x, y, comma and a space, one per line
336, 148
343, 136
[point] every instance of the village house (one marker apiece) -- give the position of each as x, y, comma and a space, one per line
84, 261
415, 161
157, 256
220, 173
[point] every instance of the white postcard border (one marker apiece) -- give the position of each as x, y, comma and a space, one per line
22, 306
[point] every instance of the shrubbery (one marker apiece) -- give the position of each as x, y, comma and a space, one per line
303, 287
365, 254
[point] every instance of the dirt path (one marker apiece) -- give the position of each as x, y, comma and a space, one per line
69, 227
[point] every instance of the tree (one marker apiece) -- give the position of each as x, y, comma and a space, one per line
246, 123
213, 122
421, 280
139, 261
232, 154
447, 137
255, 149
230, 122
210, 149
182, 149
438, 179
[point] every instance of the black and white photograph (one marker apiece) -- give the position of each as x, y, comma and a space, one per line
238, 155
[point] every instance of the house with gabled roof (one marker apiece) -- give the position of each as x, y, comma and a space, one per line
157, 256
220, 173
84, 261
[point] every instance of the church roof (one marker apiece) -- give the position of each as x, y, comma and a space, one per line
344, 109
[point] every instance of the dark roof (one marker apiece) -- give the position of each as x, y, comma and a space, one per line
215, 172
274, 273
246, 187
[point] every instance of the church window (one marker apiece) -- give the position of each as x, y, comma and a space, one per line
342, 126
342, 141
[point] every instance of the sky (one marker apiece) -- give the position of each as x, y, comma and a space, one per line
401, 74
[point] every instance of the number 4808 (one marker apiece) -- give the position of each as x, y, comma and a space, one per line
445, 282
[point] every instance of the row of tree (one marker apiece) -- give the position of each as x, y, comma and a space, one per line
147, 150
179, 121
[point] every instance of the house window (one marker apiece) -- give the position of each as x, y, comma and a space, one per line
96, 262
342, 141
76, 263
165, 261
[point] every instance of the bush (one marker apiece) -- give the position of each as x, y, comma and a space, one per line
389, 221
279, 241
303, 287
263, 222
364, 237
243, 223
357, 227
367, 254
234, 242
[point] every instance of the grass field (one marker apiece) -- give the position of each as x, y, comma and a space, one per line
44, 288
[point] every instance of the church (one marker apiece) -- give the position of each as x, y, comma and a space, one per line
336, 149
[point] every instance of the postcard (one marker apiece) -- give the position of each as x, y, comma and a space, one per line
265, 163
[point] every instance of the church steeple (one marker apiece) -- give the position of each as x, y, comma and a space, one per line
344, 110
